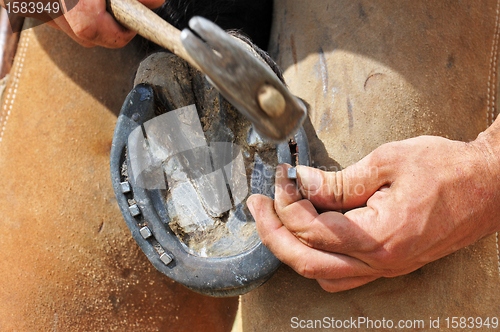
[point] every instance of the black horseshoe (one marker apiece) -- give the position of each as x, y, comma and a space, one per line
221, 276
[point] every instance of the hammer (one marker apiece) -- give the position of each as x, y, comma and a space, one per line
240, 77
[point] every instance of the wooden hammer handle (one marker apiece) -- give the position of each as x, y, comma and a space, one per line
136, 17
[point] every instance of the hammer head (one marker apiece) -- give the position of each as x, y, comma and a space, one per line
244, 80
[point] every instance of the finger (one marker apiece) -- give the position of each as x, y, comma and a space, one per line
103, 30
287, 194
90, 22
309, 262
152, 4
330, 231
300, 219
345, 189
53, 25
338, 285
61, 24
286, 189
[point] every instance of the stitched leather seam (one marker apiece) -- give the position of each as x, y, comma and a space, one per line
490, 100
11, 93
498, 253
491, 109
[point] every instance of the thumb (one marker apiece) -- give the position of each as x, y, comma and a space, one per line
345, 189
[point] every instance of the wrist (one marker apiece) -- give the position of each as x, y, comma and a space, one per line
487, 144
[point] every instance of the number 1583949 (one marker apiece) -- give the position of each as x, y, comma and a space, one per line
471, 322
32, 7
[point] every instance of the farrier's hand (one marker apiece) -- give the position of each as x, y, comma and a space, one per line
425, 198
89, 24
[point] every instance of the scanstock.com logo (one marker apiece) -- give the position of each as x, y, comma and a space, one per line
203, 179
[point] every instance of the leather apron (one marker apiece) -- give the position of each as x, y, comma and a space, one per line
68, 261
375, 72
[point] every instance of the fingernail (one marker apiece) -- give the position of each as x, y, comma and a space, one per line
250, 206
310, 179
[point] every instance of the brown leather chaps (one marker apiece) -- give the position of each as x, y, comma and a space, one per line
375, 72
68, 261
